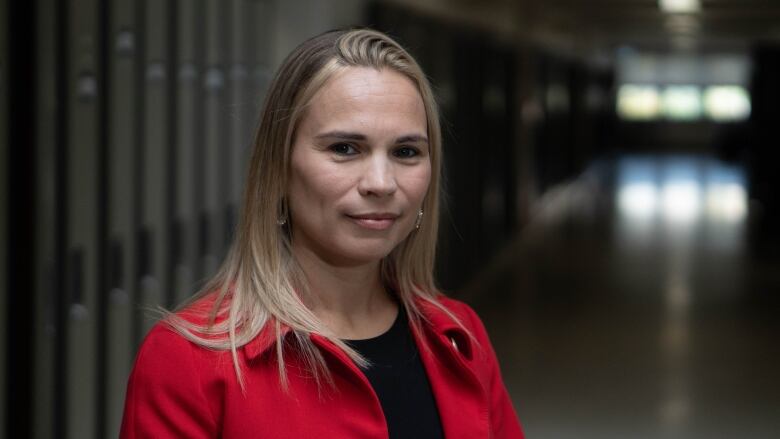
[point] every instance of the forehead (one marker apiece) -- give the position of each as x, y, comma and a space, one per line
367, 97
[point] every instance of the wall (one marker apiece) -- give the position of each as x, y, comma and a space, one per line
143, 115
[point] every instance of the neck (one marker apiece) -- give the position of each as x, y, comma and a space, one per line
350, 300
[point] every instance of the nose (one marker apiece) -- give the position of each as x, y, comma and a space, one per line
378, 178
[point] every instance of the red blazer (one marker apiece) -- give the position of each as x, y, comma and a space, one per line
178, 389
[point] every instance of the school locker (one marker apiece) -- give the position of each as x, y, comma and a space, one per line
152, 247
554, 161
260, 43
240, 108
82, 240
214, 152
49, 324
184, 234
4, 208
498, 188
122, 108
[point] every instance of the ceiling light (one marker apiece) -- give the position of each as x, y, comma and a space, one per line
679, 6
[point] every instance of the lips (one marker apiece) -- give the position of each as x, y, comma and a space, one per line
374, 221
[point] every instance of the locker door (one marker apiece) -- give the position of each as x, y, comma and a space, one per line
152, 238
50, 292
122, 160
188, 143
82, 239
241, 114
3, 205
495, 107
214, 157
260, 43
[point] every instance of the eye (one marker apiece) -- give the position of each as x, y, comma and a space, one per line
343, 149
406, 152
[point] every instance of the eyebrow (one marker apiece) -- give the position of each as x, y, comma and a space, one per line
412, 138
341, 135
346, 135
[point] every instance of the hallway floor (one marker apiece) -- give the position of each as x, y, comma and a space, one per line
633, 307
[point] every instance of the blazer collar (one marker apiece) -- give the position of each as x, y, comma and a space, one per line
264, 340
445, 328
437, 320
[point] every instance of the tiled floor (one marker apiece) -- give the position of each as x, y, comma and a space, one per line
632, 307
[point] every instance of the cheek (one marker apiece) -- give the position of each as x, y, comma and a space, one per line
417, 182
314, 188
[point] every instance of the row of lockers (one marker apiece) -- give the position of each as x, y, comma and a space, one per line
474, 78
517, 119
144, 116
4, 247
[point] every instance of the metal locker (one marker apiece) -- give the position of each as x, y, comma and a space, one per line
214, 157
82, 240
186, 201
153, 233
241, 112
4, 208
50, 220
260, 48
121, 209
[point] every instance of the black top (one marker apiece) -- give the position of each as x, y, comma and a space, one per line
399, 380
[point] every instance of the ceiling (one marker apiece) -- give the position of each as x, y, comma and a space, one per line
722, 25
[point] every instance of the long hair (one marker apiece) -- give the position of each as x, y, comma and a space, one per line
259, 282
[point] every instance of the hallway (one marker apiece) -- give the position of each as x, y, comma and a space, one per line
629, 294
633, 307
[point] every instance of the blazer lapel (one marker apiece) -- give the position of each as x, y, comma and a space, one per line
460, 397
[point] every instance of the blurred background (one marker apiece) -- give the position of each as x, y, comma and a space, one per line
611, 171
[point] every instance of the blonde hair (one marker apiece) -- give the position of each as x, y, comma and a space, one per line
259, 283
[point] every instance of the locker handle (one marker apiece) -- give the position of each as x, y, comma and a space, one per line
144, 262
176, 243
116, 263
117, 294
77, 310
76, 275
204, 227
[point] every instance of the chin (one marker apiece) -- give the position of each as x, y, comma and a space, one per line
363, 254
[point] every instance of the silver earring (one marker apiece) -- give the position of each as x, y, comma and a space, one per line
282, 218
419, 219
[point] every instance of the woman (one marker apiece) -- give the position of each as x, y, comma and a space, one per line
324, 320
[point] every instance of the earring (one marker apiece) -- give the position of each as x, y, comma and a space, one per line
282, 218
419, 219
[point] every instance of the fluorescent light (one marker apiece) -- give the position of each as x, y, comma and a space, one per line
724, 103
679, 6
681, 102
638, 102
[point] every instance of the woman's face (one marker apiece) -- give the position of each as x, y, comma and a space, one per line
360, 167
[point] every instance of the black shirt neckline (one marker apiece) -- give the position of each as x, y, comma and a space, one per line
398, 325
398, 376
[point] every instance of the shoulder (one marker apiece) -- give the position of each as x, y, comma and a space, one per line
168, 366
171, 386
162, 350
167, 355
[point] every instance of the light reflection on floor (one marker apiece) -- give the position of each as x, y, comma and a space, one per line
636, 321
